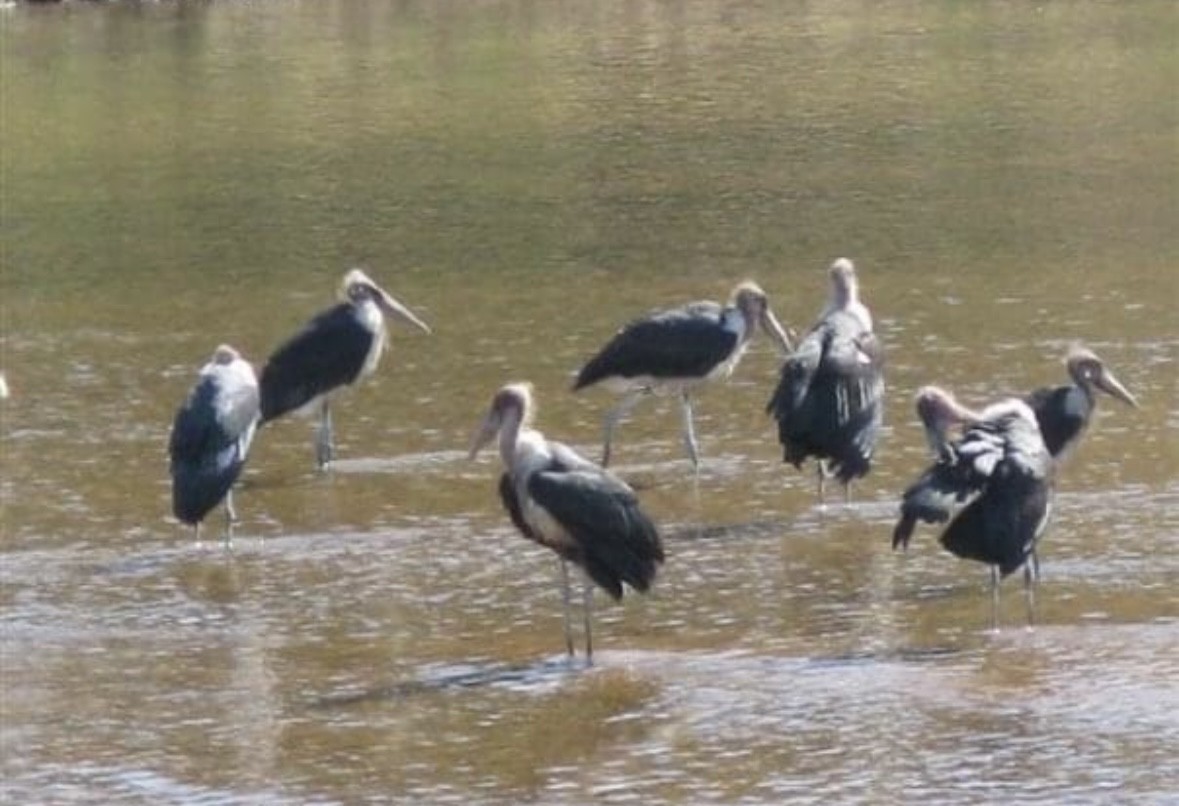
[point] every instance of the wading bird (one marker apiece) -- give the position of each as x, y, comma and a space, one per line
211, 436
829, 402
559, 499
673, 351
1064, 412
996, 476
337, 348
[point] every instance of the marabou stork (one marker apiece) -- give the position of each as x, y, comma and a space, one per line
997, 477
338, 347
829, 402
559, 499
676, 350
211, 436
1064, 412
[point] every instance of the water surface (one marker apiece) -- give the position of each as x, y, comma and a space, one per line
527, 177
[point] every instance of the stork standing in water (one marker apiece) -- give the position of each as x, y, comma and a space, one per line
337, 348
211, 437
676, 350
559, 499
829, 402
1064, 412
997, 475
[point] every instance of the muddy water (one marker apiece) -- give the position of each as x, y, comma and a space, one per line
526, 177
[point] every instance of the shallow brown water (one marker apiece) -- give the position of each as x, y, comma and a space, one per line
527, 177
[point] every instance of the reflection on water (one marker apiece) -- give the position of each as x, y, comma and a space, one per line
176, 176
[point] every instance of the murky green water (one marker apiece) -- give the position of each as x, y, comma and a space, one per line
527, 177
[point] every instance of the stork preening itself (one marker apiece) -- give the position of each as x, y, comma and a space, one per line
829, 402
994, 480
676, 350
211, 437
559, 499
337, 348
1064, 412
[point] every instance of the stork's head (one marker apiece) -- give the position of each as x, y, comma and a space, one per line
845, 288
224, 354
512, 404
1089, 372
754, 305
940, 411
357, 288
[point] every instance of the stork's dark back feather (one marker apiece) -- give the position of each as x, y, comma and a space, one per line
685, 342
615, 542
1063, 412
829, 399
208, 444
942, 488
328, 352
1000, 527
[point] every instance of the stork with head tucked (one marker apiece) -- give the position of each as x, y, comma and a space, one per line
337, 348
559, 499
211, 437
1064, 412
674, 351
829, 402
994, 481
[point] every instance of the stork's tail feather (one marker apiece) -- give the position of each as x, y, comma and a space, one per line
903, 532
591, 373
634, 562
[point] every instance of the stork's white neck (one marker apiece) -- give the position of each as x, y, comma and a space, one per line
373, 321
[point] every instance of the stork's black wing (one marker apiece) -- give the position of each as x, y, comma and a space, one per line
829, 398
216, 415
955, 479
210, 437
615, 541
685, 342
328, 352
1000, 526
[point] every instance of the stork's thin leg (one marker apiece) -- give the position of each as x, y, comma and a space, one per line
847, 492
565, 595
324, 438
1029, 591
196, 532
230, 516
1035, 565
689, 430
587, 593
614, 417
994, 598
822, 471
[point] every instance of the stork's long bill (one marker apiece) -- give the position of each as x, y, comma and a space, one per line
774, 329
1108, 383
397, 310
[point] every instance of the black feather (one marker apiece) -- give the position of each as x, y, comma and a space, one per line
686, 342
1062, 412
829, 399
207, 446
328, 352
614, 540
